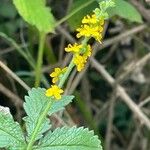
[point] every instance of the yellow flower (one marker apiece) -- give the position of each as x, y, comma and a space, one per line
90, 19
79, 61
56, 74
89, 31
92, 27
55, 91
73, 48
93, 20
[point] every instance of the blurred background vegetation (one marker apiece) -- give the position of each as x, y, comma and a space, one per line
120, 116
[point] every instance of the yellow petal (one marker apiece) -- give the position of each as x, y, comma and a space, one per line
57, 70
53, 74
49, 92
54, 80
57, 96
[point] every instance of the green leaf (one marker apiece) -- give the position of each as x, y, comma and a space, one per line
75, 20
7, 10
70, 139
36, 13
34, 106
11, 135
125, 10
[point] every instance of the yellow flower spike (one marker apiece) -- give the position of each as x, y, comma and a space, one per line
89, 31
57, 72
79, 61
73, 48
90, 19
92, 27
55, 91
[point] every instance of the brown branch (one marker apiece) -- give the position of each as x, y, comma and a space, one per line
14, 76
14, 98
122, 93
145, 12
110, 120
133, 66
118, 38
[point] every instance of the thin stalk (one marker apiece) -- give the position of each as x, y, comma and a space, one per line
27, 56
70, 67
36, 130
39, 59
43, 115
84, 42
45, 112
17, 47
65, 76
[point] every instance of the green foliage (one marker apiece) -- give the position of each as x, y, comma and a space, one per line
8, 21
37, 105
70, 139
125, 10
7, 10
36, 14
34, 106
79, 138
102, 10
11, 135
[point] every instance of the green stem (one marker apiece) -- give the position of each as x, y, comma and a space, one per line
70, 67
42, 117
27, 56
65, 76
39, 59
84, 42
40, 121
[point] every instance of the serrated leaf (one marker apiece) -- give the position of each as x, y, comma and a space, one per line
34, 106
75, 20
36, 13
125, 10
70, 139
11, 135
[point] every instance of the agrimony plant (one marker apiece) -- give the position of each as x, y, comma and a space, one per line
41, 102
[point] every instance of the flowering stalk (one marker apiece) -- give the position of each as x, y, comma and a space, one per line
65, 76
92, 27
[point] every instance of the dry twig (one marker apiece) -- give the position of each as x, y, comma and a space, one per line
14, 76
122, 93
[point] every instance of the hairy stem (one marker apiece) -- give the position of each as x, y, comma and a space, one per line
36, 130
70, 67
39, 59
65, 76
